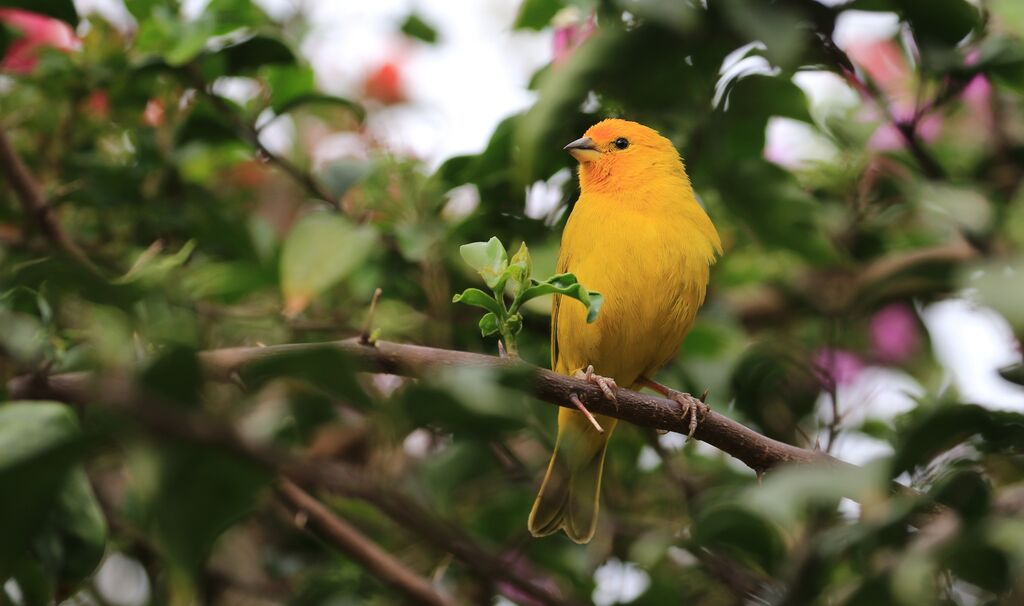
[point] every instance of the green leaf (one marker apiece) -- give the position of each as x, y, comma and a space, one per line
489, 324
566, 284
519, 270
321, 99
166, 36
152, 267
292, 86
320, 251
416, 27
58, 9
489, 259
742, 533
72, 542
141, 9
939, 429
206, 124
200, 493
478, 298
251, 54
536, 14
175, 374
39, 444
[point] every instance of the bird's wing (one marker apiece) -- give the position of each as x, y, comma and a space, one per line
561, 267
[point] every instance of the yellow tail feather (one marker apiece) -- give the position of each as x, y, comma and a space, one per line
570, 495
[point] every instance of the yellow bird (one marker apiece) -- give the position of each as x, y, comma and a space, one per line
638, 236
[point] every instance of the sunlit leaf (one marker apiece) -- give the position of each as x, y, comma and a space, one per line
489, 259
319, 252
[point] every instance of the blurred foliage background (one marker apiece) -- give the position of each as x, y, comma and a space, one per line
184, 231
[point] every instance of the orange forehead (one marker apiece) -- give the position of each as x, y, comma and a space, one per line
613, 128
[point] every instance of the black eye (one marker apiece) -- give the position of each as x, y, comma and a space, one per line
621, 143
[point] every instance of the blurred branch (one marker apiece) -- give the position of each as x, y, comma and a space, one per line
166, 419
833, 291
36, 206
248, 132
347, 538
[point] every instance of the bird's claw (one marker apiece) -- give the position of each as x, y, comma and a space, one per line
691, 409
607, 385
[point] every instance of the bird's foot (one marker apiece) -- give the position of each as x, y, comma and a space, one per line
692, 410
608, 386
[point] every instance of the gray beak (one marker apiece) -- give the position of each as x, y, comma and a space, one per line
583, 143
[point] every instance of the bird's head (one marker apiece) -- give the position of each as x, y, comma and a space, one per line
619, 154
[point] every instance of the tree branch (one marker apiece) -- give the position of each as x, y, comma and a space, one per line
757, 451
36, 206
348, 538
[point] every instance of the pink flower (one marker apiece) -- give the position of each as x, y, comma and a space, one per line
837, 366
977, 96
36, 32
895, 335
884, 62
888, 138
570, 33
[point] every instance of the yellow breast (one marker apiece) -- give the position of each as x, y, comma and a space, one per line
651, 263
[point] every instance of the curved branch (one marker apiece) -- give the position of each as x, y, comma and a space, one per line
36, 206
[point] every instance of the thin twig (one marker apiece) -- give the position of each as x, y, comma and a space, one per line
366, 336
346, 537
248, 132
37, 207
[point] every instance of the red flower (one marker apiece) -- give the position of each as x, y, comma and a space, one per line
98, 104
385, 84
36, 32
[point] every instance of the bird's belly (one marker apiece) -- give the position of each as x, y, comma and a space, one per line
651, 299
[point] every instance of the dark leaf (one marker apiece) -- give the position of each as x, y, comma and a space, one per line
176, 375
742, 534
536, 14
39, 444
58, 9
939, 429
415, 27
248, 56
201, 492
